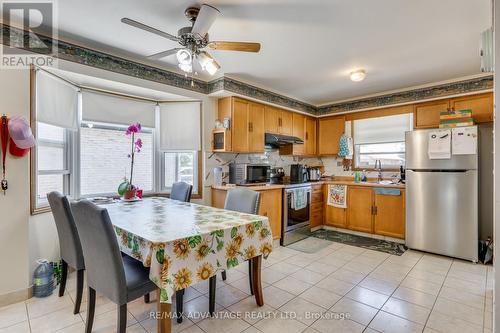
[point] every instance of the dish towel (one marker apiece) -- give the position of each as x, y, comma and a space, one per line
337, 196
299, 198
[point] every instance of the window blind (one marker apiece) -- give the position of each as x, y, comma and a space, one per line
180, 126
382, 129
106, 108
56, 101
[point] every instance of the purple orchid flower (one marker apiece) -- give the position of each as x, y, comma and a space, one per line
134, 128
138, 145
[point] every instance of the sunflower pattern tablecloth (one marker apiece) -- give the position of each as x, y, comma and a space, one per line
185, 243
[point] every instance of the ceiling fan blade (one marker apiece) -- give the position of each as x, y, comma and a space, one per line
206, 17
142, 26
164, 54
235, 46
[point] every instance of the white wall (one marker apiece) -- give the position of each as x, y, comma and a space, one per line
14, 206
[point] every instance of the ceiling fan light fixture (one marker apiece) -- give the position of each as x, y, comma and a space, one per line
204, 58
358, 76
188, 68
184, 57
212, 67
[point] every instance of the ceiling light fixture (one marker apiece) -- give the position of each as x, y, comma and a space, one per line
207, 63
358, 75
184, 57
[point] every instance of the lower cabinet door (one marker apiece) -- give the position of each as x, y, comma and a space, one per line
270, 206
359, 209
390, 215
334, 216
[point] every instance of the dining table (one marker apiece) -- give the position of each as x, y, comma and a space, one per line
185, 243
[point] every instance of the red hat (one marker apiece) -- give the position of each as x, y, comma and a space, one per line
16, 151
21, 138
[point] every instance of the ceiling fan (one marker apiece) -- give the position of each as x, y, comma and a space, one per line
194, 39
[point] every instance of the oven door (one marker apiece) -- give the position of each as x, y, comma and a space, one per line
296, 222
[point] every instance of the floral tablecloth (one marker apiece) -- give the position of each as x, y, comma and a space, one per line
185, 243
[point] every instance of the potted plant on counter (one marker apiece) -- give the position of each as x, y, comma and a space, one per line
127, 189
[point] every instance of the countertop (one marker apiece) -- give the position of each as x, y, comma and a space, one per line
338, 182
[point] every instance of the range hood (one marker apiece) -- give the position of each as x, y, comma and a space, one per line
278, 140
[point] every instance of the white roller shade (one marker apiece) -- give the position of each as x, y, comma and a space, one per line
56, 101
180, 126
108, 108
382, 129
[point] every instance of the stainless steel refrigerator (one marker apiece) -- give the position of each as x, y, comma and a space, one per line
441, 200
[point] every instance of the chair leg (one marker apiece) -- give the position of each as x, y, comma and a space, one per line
79, 290
224, 276
64, 277
146, 298
122, 318
179, 305
212, 282
90, 310
250, 276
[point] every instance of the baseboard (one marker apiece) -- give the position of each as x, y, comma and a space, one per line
16, 296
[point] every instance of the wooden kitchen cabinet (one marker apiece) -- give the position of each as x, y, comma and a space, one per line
360, 208
427, 114
299, 131
310, 139
240, 125
389, 215
481, 106
317, 204
270, 206
333, 216
256, 128
277, 121
330, 129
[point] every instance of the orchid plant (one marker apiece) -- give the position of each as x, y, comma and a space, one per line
136, 146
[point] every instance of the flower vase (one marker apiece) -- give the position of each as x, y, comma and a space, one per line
129, 194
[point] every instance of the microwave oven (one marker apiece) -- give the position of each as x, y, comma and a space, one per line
244, 173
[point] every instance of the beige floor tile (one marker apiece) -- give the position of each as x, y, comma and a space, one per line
406, 310
234, 275
22, 327
431, 267
388, 323
359, 312
321, 297
336, 286
269, 275
298, 261
447, 324
381, 286
463, 297
346, 275
308, 276
151, 325
426, 275
368, 297
196, 329
280, 324
55, 320
102, 305
321, 268
471, 287
107, 321
383, 274
285, 268
229, 295
223, 323
458, 310
338, 326
394, 268
249, 311
75, 328
359, 267
467, 276
403, 260
141, 310
41, 306
13, 314
244, 285
197, 309
276, 297
333, 260
292, 285
306, 312
421, 285
414, 296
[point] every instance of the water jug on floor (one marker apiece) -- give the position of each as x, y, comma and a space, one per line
43, 279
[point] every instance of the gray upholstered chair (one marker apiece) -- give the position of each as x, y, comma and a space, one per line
181, 191
69, 243
120, 279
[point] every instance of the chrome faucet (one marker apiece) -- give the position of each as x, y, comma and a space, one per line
378, 167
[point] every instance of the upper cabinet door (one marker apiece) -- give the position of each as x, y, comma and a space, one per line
427, 114
299, 131
272, 119
481, 106
256, 128
286, 122
240, 125
310, 136
330, 131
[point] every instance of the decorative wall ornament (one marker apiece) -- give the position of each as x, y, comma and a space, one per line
89, 57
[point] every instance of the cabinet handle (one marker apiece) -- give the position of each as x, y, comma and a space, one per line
307, 136
279, 122
250, 127
374, 210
